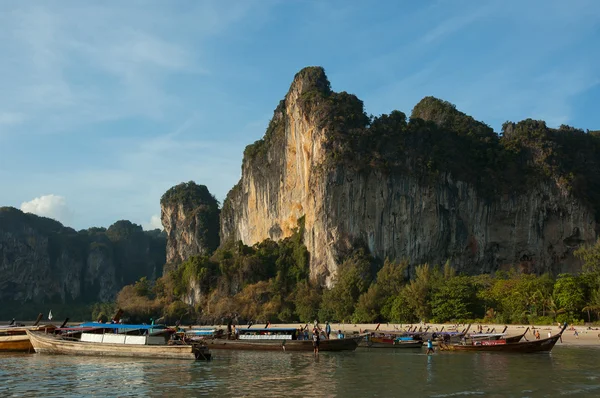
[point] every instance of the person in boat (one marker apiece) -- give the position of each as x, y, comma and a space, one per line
327, 329
316, 340
340, 334
430, 349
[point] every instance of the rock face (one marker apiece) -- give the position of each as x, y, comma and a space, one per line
43, 261
394, 210
190, 217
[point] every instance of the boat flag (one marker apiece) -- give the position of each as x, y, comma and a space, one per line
50, 315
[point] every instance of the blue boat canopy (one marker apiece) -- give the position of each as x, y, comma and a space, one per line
120, 326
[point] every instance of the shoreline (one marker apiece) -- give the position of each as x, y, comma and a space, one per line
585, 337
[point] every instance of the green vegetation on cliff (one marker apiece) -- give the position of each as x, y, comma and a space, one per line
270, 282
261, 281
190, 194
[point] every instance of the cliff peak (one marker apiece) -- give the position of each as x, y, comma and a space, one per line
190, 216
189, 194
445, 115
311, 78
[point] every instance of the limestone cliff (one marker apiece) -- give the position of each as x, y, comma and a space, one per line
440, 186
43, 261
190, 217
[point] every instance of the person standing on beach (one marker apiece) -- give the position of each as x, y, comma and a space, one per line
430, 349
327, 329
316, 341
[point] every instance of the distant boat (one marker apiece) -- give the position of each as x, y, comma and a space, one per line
501, 345
203, 333
14, 337
279, 339
391, 339
118, 340
496, 336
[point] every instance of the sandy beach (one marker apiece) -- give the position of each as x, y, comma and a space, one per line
584, 336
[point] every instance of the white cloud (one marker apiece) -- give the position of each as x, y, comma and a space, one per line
52, 206
154, 223
79, 64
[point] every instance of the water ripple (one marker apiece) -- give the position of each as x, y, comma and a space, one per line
378, 373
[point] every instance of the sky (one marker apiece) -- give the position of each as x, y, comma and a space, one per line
106, 105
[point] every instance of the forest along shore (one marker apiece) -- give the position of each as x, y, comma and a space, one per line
573, 336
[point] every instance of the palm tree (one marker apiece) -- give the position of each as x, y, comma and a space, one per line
593, 305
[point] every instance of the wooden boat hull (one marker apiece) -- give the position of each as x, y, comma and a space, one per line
50, 344
346, 344
403, 345
514, 339
511, 339
544, 345
15, 343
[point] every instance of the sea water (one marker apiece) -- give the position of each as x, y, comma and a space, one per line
566, 371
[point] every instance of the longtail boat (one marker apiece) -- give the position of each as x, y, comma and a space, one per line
14, 337
447, 337
391, 339
517, 338
496, 336
118, 340
280, 339
503, 346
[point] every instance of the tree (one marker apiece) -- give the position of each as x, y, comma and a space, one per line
593, 305
353, 279
401, 311
569, 295
454, 300
376, 302
368, 307
306, 301
142, 287
419, 291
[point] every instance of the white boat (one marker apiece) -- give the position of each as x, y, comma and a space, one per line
105, 340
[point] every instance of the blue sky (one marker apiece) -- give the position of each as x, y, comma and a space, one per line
105, 106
